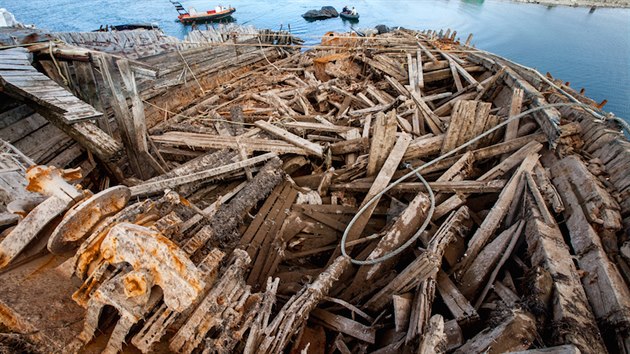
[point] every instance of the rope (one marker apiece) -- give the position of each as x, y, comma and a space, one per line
191, 71
413, 238
52, 56
265, 55
416, 171
202, 117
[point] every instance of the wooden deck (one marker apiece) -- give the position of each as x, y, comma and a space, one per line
19, 77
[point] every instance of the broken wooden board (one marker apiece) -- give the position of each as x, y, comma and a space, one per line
41, 91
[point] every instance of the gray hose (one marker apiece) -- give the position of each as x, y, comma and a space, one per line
416, 171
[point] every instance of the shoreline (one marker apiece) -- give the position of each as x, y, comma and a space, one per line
580, 3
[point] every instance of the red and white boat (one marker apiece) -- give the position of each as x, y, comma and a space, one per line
192, 15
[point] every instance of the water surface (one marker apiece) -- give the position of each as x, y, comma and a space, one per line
589, 50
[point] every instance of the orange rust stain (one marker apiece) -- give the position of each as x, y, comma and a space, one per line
92, 253
336, 39
4, 259
134, 286
72, 174
220, 300
146, 219
446, 44
184, 201
181, 268
38, 174
331, 57
7, 318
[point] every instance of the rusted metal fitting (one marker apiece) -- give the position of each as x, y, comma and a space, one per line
148, 251
81, 219
51, 181
137, 283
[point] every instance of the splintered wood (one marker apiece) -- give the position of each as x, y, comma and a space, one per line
242, 169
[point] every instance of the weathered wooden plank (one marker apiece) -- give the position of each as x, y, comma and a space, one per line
516, 105
496, 215
468, 187
548, 118
22, 128
455, 301
516, 332
345, 325
73, 109
403, 228
14, 115
561, 349
606, 290
570, 306
467, 122
382, 179
207, 142
308, 146
158, 186
426, 265
382, 141
484, 264
126, 122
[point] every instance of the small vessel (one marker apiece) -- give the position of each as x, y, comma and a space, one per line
192, 15
348, 14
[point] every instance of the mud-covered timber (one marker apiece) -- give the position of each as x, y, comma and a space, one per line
232, 193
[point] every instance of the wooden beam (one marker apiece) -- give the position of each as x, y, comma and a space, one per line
403, 228
496, 215
159, 186
382, 142
516, 332
385, 174
208, 142
461, 309
345, 325
569, 305
511, 131
308, 146
606, 290
468, 187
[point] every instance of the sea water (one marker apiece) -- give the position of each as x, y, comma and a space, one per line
589, 49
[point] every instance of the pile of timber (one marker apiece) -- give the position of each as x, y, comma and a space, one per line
398, 193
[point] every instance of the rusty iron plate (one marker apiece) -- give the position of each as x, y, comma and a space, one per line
79, 222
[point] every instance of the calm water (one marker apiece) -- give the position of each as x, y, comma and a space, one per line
590, 50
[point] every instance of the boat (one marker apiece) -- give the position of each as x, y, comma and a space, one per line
349, 16
192, 15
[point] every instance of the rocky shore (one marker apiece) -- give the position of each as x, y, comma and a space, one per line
582, 3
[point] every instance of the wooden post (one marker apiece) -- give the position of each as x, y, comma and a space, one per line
382, 142
131, 129
511, 130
